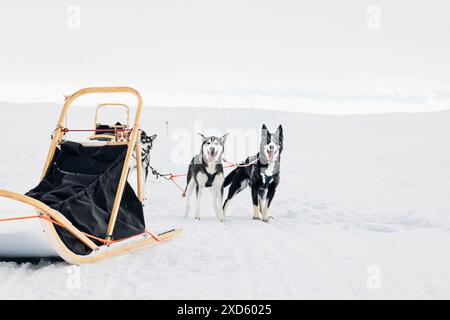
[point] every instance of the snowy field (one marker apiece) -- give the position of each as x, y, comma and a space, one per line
362, 211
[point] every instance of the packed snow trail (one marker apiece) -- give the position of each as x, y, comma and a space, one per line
357, 194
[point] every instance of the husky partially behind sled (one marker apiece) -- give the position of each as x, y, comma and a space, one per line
261, 172
147, 145
206, 171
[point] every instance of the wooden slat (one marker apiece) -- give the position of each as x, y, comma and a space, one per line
121, 186
140, 180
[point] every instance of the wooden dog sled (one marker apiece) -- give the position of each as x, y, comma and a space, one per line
83, 209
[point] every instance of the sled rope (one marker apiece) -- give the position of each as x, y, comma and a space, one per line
65, 130
19, 218
239, 165
168, 177
171, 177
105, 242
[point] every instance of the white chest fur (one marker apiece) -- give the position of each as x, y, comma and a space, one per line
270, 169
268, 172
211, 168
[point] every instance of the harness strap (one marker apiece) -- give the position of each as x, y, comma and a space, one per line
211, 178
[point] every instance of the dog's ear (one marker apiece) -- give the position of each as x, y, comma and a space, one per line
201, 135
264, 133
224, 138
279, 132
153, 137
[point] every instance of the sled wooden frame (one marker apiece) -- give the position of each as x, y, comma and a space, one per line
103, 105
116, 247
113, 105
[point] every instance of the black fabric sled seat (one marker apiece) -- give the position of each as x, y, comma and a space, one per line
81, 184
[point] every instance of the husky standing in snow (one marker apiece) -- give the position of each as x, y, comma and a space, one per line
206, 171
261, 172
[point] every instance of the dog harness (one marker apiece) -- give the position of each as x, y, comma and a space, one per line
211, 176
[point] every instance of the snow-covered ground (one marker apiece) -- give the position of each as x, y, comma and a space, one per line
362, 211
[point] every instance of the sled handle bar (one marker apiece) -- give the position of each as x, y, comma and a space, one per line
85, 91
114, 105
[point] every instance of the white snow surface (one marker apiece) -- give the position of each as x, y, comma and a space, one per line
357, 194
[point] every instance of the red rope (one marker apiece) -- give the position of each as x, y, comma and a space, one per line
19, 218
152, 235
173, 180
65, 130
107, 242
229, 165
232, 164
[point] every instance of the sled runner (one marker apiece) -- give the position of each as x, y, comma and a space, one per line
83, 210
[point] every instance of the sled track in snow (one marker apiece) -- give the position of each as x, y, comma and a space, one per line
279, 264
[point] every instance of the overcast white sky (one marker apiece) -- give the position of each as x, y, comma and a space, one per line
309, 56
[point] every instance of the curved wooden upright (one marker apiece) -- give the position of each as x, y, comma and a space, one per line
112, 248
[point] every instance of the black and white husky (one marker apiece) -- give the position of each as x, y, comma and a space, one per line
146, 146
261, 172
206, 171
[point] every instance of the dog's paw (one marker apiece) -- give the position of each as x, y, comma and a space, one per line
265, 220
256, 218
197, 218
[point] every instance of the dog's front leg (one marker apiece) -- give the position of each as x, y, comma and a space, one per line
265, 212
263, 205
216, 193
256, 213
198, 194
219, 203
268, 200
188, 194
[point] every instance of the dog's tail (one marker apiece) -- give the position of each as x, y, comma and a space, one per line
230, 177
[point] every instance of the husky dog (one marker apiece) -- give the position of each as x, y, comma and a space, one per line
206, 171
261, 172
146, 146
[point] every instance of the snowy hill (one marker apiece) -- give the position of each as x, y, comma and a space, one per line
358, 194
